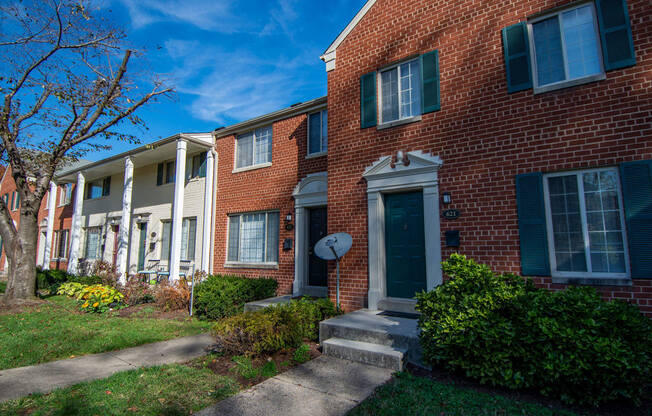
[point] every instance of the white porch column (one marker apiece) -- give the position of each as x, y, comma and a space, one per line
177, 210
125, 222
376, 247
52, 204
75, 232
300, 250
208, 213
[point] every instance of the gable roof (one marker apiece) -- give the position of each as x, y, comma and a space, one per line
329, 56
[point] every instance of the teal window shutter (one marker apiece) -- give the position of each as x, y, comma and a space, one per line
159, 174
636, 179
202, 165
106, 186
516, 46
532, 225
615, 34
368, 100
430, 95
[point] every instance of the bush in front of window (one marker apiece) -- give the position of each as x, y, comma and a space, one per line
49, 281
220, 296
273, 329
503, 331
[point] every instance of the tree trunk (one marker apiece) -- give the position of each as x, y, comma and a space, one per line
21, 255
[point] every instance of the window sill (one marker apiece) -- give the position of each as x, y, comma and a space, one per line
244, 265
571, 83
593, 281
391, 124
254, 167
316, 154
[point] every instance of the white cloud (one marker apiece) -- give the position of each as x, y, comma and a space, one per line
213, 15
228, 86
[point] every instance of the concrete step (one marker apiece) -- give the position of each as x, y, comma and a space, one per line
382, 356
374, 327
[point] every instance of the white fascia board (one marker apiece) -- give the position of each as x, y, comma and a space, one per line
329, 56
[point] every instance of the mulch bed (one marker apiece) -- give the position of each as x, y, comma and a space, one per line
284, 360
155, 312
617, 408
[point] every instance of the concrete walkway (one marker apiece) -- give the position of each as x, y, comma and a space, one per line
43, 378
324, 386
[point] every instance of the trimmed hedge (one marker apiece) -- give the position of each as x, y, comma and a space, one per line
502, 330
274, 328
220, 296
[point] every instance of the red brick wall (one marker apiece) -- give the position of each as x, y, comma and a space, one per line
62, 217
263, 189
484, 135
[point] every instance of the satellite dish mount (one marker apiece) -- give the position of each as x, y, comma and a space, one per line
333, 247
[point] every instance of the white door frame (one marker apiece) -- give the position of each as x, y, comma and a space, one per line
310, 192
413, 171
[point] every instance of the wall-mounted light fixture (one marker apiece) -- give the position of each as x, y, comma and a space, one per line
288, 217
446, 198
288, 222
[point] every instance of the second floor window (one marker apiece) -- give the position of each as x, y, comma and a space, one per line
254, 148
400, 93
65, 195
318, 132
165, 173
99, 188
566, 46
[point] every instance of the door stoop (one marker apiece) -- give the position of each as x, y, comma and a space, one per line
401, 305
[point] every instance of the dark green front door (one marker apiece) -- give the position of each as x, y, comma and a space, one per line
142, 245
405, 244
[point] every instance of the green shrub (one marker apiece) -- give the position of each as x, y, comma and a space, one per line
3, 287
503, 331
50, 280
85, 280
220, 296
302, 354
273, 329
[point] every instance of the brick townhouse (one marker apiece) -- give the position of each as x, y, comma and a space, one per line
527, 124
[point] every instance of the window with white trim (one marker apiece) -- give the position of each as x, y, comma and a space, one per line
99, 188
93, 244
61, 244
65, 194
318, 132
400, 91
586, 232
254, 238
166, 172
254, 148
565, 46
188, 239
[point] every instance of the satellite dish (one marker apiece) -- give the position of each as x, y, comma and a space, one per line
333, 246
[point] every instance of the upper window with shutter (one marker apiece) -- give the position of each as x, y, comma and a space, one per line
401, 92
568, 47
165, 173
98, 188
254, 149
318, 133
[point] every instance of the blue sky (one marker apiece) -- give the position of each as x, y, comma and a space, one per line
230, 60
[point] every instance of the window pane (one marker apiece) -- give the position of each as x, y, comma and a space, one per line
314, 141
410, 93
324, 131
547, 45
252, 238
263, 145
245, 151
272, 237
604, 222
389, 83
92, 243
567, 224
184, 240
192, 236
170, 172
581, 42
234, 237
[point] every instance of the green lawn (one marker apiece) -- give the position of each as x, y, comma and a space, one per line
166, 390
56, 330
410, 395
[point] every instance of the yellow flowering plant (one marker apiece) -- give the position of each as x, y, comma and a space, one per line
93, 298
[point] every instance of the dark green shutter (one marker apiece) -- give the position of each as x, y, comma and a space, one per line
13, 200
532, 225
430, 96
516, 46
189, 170
615, 34
159, 174
202, 165
636, 179
368, 100
17, 199
106, 186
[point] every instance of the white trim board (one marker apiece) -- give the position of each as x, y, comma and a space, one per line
329, 56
